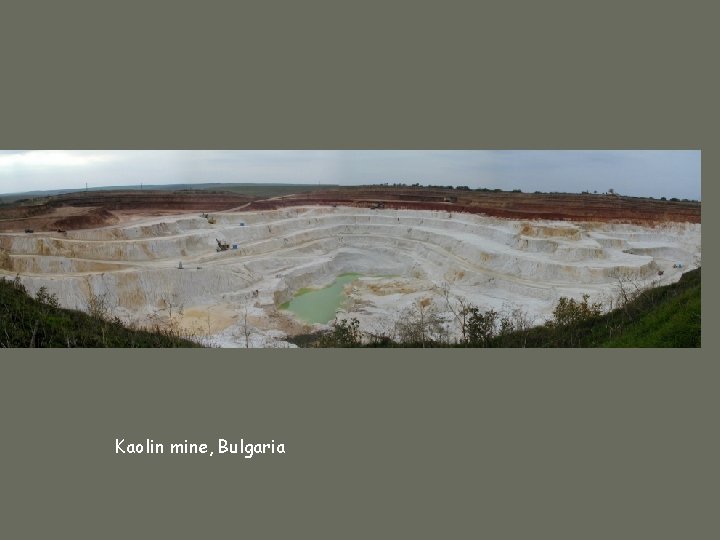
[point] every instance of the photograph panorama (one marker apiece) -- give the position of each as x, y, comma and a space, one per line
350, 248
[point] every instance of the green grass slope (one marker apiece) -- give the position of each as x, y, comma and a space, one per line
39, 322
673, 322
667, 316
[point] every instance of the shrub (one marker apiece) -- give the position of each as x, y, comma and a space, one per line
480, 327
421, 325
44, 297
569, 311
345, 333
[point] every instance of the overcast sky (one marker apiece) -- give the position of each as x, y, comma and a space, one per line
655, 173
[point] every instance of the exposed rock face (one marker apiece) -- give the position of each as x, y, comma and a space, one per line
492, 262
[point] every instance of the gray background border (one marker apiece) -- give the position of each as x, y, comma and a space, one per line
505, 444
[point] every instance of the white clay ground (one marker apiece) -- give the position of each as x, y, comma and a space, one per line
491, 262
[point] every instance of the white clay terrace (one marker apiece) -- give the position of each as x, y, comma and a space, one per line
402, 256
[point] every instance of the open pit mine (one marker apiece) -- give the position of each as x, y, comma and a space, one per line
229, 277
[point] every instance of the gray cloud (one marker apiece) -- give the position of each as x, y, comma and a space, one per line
669, 173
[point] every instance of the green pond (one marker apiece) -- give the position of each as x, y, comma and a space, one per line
319, 305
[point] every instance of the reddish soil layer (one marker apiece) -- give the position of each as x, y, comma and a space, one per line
585, 207
102, 208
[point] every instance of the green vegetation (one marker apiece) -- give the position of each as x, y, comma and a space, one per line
667, 316
671, 317
40, 322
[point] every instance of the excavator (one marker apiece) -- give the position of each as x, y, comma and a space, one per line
222, 246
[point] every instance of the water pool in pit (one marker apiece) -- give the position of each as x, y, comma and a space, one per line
320, 305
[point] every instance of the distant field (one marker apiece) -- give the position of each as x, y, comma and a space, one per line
250, 189
268, 191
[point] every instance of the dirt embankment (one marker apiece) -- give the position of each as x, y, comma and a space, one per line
155, 200
584, 207
95, 217
102, 208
